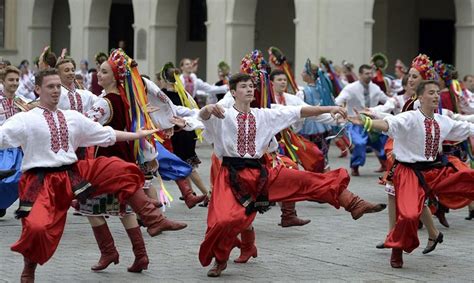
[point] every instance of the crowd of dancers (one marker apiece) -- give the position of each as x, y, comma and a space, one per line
98, 141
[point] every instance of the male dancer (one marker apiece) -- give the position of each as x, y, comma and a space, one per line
244, 185
359, 95
421, 170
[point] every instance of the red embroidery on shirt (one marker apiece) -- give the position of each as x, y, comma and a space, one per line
63, 131
189, 84
58, 139
241, 146
246, 135
251, 135
435, 145
281, 99
431, 143
98, 113
75, 100
8, 108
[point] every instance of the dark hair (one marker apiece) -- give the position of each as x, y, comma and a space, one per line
275, 73
44, 73
168, 74
237, 78
364, 67
50, 59
422, 86
405, 80
145, 76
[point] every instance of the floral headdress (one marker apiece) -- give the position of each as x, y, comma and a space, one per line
255, 66
423, 64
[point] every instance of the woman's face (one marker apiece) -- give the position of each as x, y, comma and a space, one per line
105, 76
414, 79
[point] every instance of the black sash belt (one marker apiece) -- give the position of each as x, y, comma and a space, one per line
419, 167
80, 187
243, 196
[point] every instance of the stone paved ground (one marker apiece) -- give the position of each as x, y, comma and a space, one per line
332, 247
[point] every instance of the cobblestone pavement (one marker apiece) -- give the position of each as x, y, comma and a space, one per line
332, 247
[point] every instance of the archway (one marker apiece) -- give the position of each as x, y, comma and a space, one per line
121, 26
191, 34
427, 25
60, 26
274, 27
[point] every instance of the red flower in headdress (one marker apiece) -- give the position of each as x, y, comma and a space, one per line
423, 64
118, 61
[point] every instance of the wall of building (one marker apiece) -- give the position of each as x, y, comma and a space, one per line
337, 29
274, 27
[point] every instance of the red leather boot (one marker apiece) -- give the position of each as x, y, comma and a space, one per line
28, 274
396, 260
139, 250
108, 252
289, 217
357, 206
189, 198
247, 248
151, 216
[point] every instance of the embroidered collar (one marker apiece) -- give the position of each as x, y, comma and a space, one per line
250, 111
46, 109
426, 116
73, 90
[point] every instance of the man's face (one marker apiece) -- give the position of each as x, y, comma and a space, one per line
66, 73
469, 83
50, 90
414, 79
280, 83
430, 96
11, 82
366, 76
187, 66
244, 92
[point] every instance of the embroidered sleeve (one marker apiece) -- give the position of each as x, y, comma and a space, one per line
101, 111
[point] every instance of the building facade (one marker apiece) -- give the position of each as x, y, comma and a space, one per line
157, 31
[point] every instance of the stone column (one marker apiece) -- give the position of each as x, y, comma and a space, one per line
216, 37
240, 30
95, 28
464, 36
